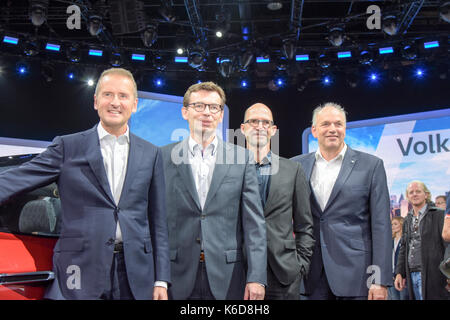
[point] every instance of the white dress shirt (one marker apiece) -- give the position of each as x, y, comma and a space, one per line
202, 165
324, 175
115, 158
115, 152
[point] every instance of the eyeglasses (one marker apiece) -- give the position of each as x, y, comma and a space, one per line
255, 123
200, 107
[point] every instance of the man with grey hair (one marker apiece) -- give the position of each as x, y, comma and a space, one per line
350, 207
112, 191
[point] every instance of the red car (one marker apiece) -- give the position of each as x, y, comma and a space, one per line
29, 225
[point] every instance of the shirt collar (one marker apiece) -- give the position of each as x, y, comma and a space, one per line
340, 156
267, 159
193, 145
102, 133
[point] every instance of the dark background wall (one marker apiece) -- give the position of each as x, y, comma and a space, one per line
31, 108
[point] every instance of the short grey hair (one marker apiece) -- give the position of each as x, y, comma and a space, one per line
334, 105
119, 71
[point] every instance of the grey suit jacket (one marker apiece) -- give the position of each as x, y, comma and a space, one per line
287, 212
231, 224
353, 232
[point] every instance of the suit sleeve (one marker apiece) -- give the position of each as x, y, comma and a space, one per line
254, 226
379, 206
158, 221
303, 221
42, 170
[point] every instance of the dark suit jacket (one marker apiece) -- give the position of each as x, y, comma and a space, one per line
231, 223
89, 213
287, 212
353, 233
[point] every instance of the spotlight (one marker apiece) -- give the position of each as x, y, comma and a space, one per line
244, 83
219, 34
245, 59
373, 76
196, 57
274, 5
149, 35
389, 25
365, 57
158, 81
326, 80
180, 51
38, 12
90, 82
158, 63
47, 71
71, 73
226, 67
73, 53
323, 61
22, 68
115, 59
165, 10
444, 11
31, 47
409, 52
419, 72
282, 64
95, 25
336, 36
288, 49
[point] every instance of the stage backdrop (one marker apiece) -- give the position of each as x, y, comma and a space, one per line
413, 147
157, 119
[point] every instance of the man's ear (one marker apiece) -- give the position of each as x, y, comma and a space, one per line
313, 131
95, 102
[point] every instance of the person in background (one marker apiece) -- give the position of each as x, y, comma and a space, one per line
422, 248
397, 224
440, 202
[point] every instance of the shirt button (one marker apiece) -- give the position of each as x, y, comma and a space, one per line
202, 217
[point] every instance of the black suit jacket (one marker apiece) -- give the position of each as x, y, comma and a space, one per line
287, 213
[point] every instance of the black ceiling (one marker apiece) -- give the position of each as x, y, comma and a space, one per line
250, 27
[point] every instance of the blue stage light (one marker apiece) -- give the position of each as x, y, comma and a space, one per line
181, 59
10, 40
138, 57
373, 76
302, 57
432, 44
326, 80
345, 54
419, 73
386, 50
53, 47
97, 53
262, 60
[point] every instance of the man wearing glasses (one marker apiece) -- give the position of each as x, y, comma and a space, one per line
213, 208
284, 193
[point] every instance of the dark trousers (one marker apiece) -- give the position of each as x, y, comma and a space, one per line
323, 291
119, 288
277, 291
201, 290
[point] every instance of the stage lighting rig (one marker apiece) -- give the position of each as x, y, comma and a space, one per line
196, 57
444, 11
390, 24
336, 35
149, 34
95, 23
38, 12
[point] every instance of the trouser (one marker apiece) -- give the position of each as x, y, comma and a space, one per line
277, 291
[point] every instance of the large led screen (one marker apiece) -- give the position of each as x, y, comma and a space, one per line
413, 147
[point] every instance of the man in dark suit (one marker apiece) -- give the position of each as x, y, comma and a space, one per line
284, 193
113, 241
217, 232
350, 206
